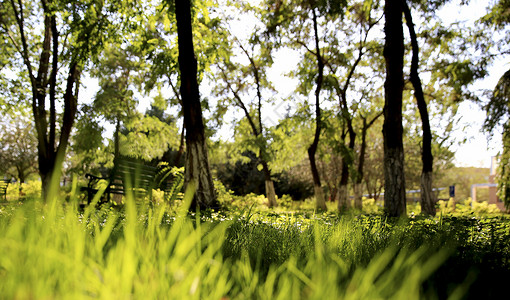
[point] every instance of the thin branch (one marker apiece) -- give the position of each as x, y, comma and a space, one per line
174, 89
240, 103
306, 47
257, 82
24, 52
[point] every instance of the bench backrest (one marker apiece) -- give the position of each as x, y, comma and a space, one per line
133, 173
3, 184
3, 187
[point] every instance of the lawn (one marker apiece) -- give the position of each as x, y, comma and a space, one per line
55, 251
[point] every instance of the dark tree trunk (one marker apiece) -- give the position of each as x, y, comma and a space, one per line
52, 161
198, 172
180, 151
358, 186
269, 184
394, 180
320, 202
270, 192
427, 196
344, 202
347, 159
116, 140
39, 85
257, 132
51, 152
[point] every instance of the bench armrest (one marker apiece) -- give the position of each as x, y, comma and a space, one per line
94, 177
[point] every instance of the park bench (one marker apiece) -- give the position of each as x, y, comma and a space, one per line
136, 176
128, 175
3, 188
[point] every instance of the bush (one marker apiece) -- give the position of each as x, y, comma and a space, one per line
371, 207
30, 189
467, 207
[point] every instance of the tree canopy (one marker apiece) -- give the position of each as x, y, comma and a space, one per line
376, 89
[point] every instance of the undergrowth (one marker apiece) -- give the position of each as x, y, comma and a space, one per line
55, 251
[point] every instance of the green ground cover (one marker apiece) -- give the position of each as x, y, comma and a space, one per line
54, 251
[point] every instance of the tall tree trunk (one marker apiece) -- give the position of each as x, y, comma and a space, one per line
427, 196
358, 182
269, 184
358, 186
342, 192
197, 161
39, 86
347, 159
394, 184
50, 152
180, 151
55, 157
116, 140
257, 132
320, 202
270, 192
344, 202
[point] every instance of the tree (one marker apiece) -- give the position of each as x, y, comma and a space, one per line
358, 181
298, 24
18, 155
198, 172
83, 28
498, 107
319, 195
427, 196
373, 176
394, 187
235, 82
362, 20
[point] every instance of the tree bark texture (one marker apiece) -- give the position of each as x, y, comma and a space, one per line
180, 151
358, 195
270, 192
358, 186
197, 161
344, 202
320, 202
428, 200
347, 161
394, 185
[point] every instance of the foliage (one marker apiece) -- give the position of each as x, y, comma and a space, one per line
503, 177
175, 176
131, 48
18, 148
497, 108
17, 191
246, 177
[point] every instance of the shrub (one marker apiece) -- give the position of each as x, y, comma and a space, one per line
30, 189
371, 207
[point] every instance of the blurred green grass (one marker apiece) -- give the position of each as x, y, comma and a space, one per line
54, 251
